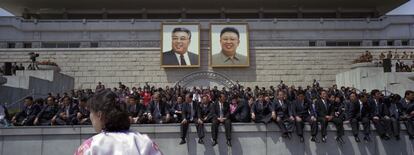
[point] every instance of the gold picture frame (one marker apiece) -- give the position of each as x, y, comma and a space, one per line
168, 58
241, 57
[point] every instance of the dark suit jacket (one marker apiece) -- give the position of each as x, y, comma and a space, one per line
29, 112
355, 110
340, 108
205, 111
137, 110
242, 112
301, 110
261, 111
73, 110
186, 111
395, 110
321, 109
283, 110
48, 112
169, 58
215, 109
163, 109
379, 110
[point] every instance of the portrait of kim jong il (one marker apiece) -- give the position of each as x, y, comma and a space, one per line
182, 42
229, 46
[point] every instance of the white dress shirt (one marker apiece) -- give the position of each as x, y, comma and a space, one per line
186, 58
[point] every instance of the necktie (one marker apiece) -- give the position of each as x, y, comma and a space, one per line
192, 111
182, 60
221, 110
67, 111
158, 112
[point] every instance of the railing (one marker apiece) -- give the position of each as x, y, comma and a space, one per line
201, 20
19, 101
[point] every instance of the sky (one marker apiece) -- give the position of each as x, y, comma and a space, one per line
406, 9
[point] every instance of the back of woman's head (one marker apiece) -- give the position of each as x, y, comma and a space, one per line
114, 118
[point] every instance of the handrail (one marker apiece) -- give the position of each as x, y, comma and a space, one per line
32, 93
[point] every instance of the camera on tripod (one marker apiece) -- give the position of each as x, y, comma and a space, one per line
33, 56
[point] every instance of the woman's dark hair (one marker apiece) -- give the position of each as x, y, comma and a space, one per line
114, 116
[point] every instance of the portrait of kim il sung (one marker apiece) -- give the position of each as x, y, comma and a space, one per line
180, 45
229, 45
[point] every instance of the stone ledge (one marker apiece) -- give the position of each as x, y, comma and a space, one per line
154, 129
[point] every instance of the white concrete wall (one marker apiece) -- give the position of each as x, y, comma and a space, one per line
374, 78
36, 83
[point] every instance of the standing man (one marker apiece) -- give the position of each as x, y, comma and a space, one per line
221, 115
179, 54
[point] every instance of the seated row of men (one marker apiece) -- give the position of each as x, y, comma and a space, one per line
384, 112
68, 113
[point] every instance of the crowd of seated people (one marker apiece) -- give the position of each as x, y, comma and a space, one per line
401, 61
366, 57
400, 66
288, 107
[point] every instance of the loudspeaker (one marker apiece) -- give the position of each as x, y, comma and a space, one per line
7, 68
387, 65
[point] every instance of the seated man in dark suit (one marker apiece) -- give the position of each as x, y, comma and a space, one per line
281, 114
4, 116
361, 112
338, 116
323, 111
66, 114
82, 116
136, 110
204, 115
261, 110
179, 54
221, 115
239, 110
301, 109
189, 115
158, 111
28, 114
176, 110
48, 111
379, 111
395, 114
409, 112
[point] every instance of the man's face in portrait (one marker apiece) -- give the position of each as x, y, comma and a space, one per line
229, 42
180, 42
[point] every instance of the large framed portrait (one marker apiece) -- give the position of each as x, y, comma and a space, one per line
229, 45
180, 45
